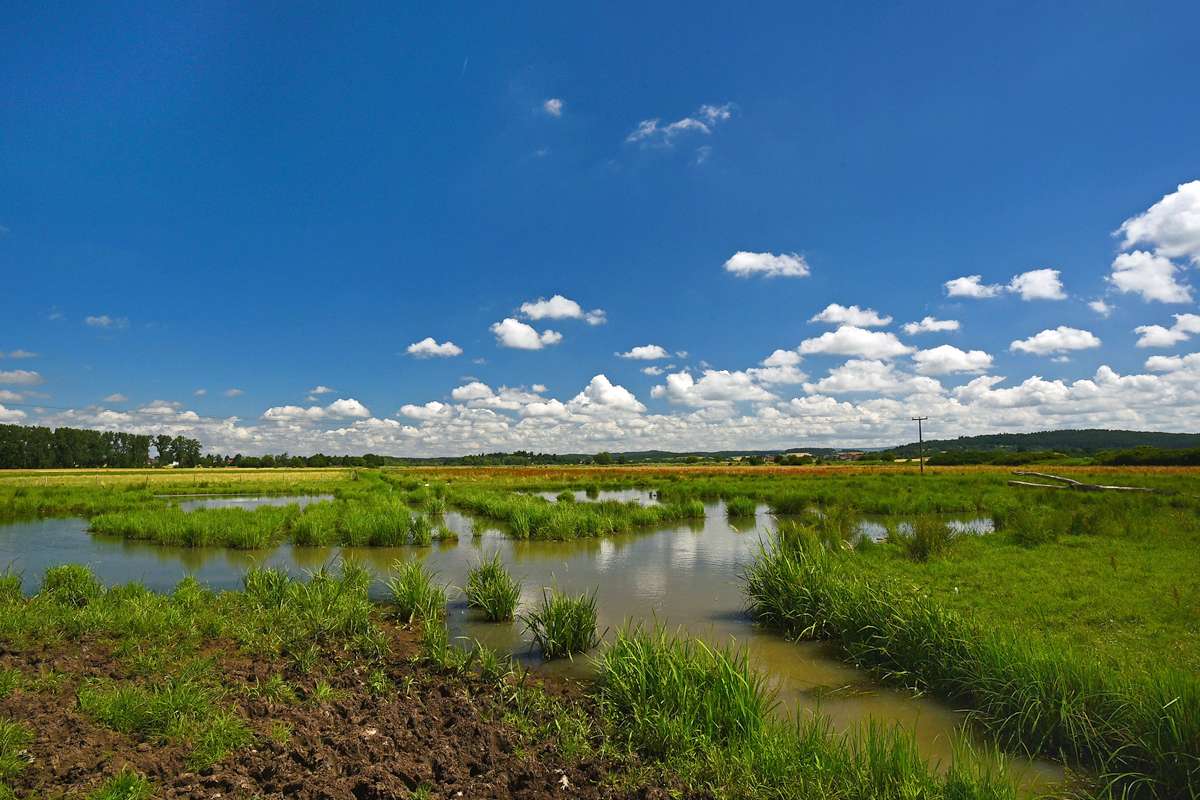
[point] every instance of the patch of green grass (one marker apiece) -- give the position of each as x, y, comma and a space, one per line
413, 591
238, 528
706, 716
926, 537
563, 625
128, 784
10, 681
71, 584
491, 589
1137, 730
14, 739
741, 506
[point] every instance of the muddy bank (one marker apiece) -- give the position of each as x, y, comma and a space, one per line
419, 733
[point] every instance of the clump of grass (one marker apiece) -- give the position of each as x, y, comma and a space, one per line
703, 713
563, 625
740, 506
414, 593
927, 536
128, 784
71, 584
492, 590
566, 496
674, 692
10, 681
14, 739
239, 528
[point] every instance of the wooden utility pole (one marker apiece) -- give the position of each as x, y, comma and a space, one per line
921, 440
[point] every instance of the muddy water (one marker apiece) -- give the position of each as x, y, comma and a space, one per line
684, 576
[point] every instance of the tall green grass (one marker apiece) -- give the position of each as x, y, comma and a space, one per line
491, 589
1139, 732
239, 528
563, 625
741, 506
533, 517
704, 713
414, 593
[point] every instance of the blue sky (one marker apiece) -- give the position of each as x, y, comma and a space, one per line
260, 201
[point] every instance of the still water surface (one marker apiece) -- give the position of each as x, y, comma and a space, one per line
684, 576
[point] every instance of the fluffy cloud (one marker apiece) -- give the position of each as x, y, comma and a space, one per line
646, 352
10, 397
781, 367
1171, 226
1056, 340
347, 408
431, 410
516, 334
850, 340
116, 397
21, 377
715, 388
602, 396
651, 133
553, 106
559, 307
947, 359
835, 314
1173, 363
971, 286
233, 392
745, 264
930, 325
1038, 284
11, 415
429, 348
868, 375
475, 390
1100, 307
1152, 276
1158, 336
321, 389
653, 369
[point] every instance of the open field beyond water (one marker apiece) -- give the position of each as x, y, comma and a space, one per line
759, 632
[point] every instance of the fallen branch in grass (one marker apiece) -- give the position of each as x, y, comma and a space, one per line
1071, 483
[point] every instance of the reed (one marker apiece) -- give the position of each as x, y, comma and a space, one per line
563, 625
492, 590
414, 593
740, 506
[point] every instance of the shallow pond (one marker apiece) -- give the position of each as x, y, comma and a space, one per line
682, 576
248, 502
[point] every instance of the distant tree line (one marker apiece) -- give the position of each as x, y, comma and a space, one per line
1089, 440
36, 447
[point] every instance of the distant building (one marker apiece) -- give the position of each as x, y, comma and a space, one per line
850, 455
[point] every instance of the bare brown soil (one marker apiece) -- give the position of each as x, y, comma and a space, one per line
429, 732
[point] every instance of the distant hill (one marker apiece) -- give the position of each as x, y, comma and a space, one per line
1092, 440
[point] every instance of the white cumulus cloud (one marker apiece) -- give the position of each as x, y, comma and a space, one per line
1158, 336
930, 325
429, 348
835, 314
521, 336
553, 106
745, 264
850, 340
1056, 340
646, 352
716, 387
21, 377
1100, 307
1171, 226
947, 359
972, 286
605, 397
1038, 284
1152, 276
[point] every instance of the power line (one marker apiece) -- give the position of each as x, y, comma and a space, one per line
921, 441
